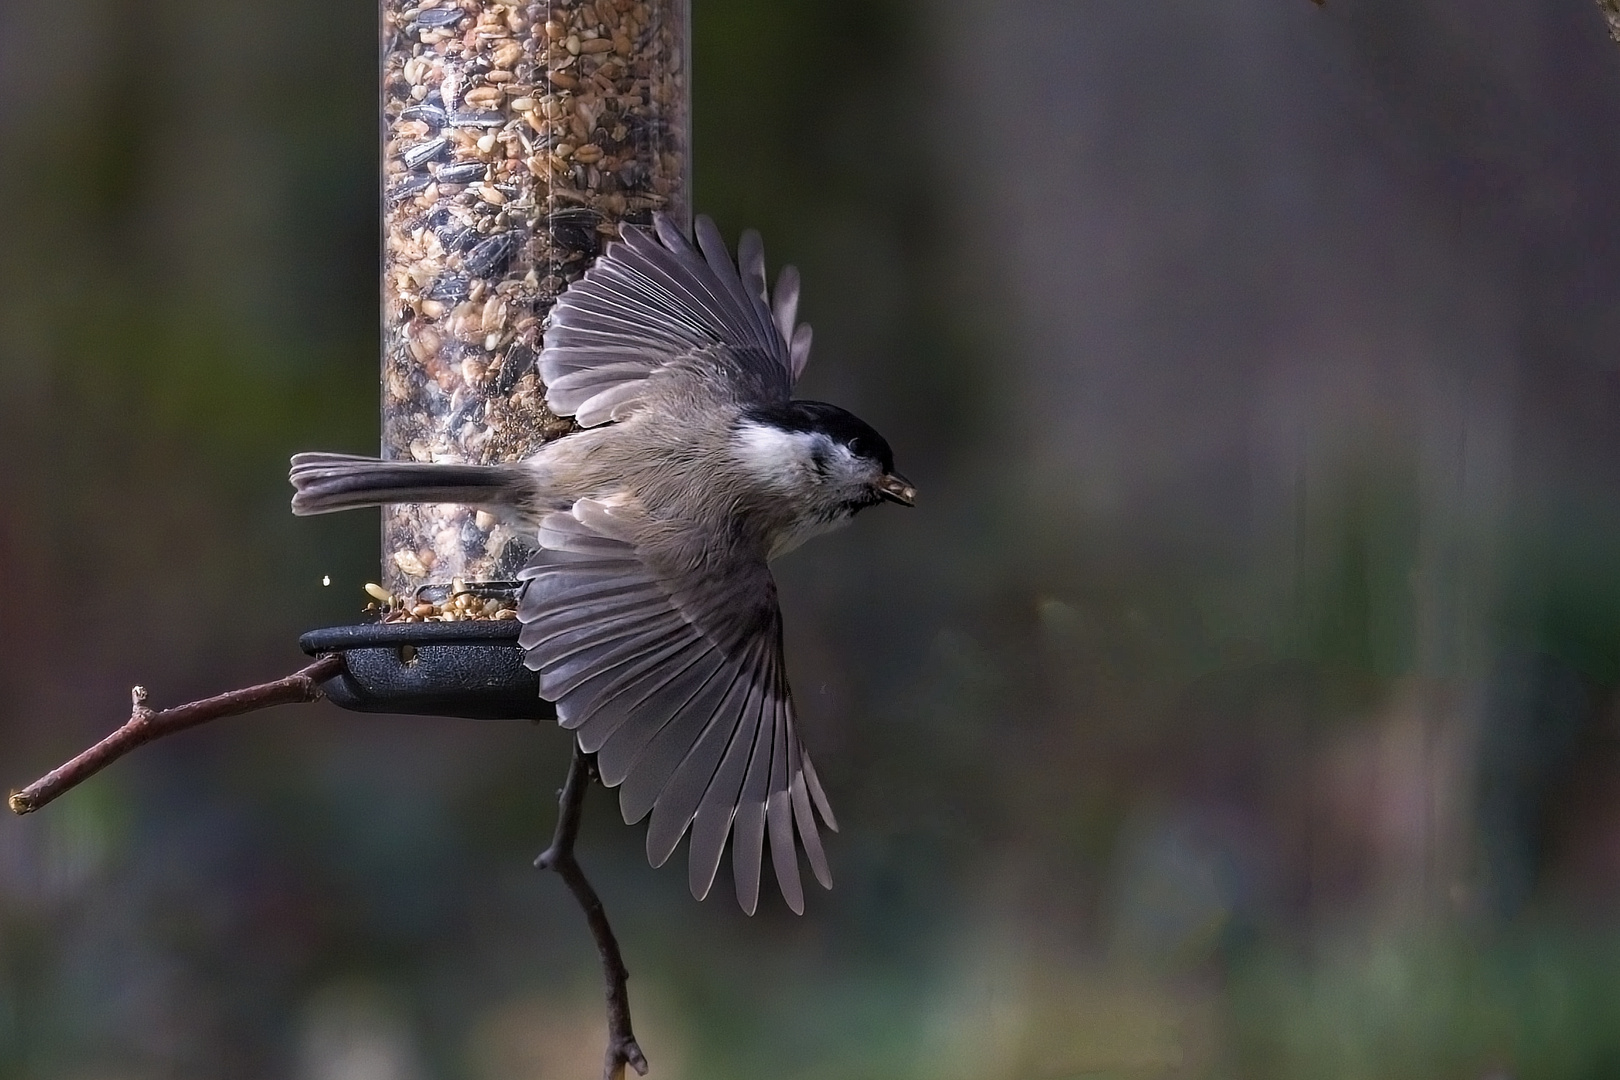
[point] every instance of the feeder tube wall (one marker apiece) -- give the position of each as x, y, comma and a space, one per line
516, 139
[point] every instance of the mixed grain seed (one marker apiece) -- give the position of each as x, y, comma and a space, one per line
458, 601
517, 139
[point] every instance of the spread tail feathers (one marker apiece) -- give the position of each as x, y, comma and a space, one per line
327, 482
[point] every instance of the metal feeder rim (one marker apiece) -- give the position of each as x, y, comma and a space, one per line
472, 669
382, 635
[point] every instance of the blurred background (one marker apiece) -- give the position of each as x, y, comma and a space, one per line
1240, 701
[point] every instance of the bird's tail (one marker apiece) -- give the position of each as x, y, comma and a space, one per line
323, 483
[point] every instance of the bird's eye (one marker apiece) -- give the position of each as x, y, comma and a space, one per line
857, 447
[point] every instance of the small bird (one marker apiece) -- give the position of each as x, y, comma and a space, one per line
649, 609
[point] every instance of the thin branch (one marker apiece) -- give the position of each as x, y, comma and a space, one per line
622, 1049
144, 725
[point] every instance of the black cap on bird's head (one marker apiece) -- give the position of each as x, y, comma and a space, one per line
849, 430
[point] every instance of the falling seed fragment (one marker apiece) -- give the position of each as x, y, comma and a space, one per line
326, 579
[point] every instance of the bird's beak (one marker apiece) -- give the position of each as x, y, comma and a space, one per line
896, 488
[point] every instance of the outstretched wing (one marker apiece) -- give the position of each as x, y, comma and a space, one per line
652, 298
677, 684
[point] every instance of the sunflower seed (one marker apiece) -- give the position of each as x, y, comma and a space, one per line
439, 17
431, 115
472, 118
422, 153
447, 288
489, 254
462, 172
411, 185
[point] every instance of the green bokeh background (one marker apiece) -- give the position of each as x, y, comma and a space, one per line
1240, 701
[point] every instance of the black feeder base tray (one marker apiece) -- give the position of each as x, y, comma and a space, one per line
471, 669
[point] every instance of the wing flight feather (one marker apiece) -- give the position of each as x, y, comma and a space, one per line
652, 298
679, 689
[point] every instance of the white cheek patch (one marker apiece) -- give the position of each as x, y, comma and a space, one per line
774, 455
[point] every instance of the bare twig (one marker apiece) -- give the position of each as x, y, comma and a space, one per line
144, 725
1611, 12
622, 1049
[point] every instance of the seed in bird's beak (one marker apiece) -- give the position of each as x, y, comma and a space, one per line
896, 488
